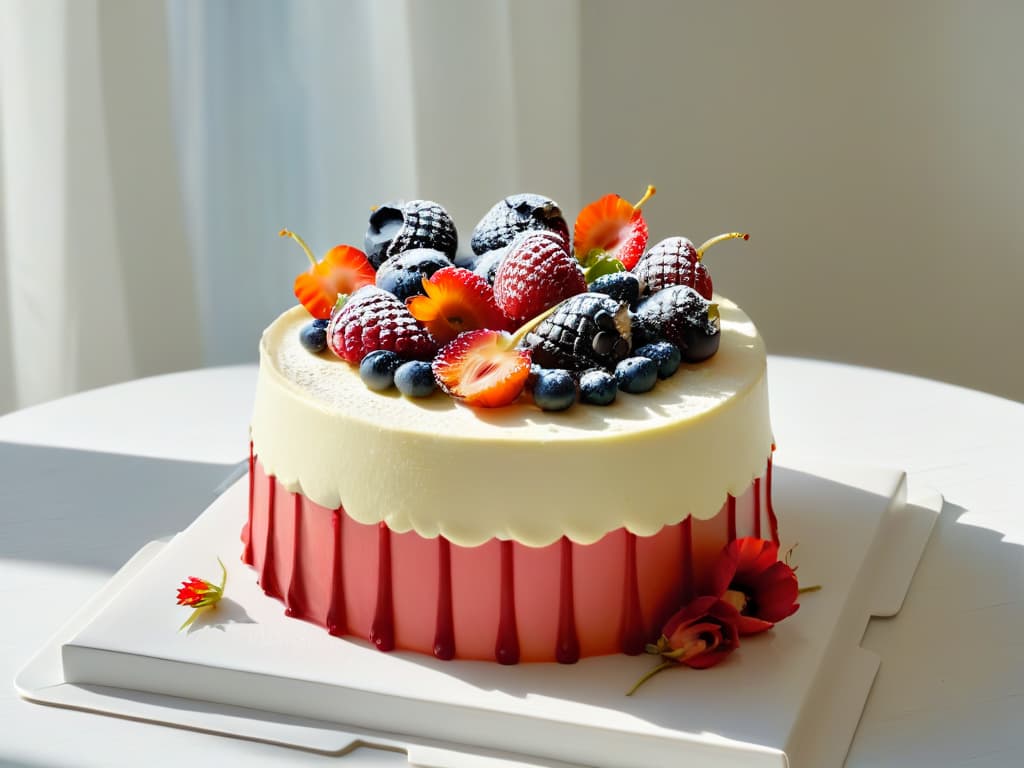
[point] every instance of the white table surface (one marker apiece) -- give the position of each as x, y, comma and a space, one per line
951, 686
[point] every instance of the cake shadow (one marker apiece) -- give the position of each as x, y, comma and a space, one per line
58, 505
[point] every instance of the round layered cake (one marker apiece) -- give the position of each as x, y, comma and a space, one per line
506, 534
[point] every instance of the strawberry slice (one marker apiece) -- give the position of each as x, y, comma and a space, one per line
457, 300
343, 270
482, 368
614, 226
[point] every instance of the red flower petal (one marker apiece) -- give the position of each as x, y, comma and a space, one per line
775, 592
755, 555
707, 628
748, 625
741, 561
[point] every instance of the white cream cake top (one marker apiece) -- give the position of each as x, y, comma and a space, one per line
437, 466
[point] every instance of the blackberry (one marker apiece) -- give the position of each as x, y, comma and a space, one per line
681, 316
403, 273
586, 330
397, 227
515, 214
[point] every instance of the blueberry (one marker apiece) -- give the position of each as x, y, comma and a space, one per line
403, 274
554, 390
487, 264
321, 322
636, 374
531, 379
666, 355
377, 370
313, 337
597, 387
624, 286
415, 379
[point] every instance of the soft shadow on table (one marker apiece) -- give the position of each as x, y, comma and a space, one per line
95, 510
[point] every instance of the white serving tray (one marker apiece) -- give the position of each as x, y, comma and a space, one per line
792, 696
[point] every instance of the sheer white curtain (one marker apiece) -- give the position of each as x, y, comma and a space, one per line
97, 278
150, 153
307, 114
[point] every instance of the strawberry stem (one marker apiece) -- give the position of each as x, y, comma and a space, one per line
529, 325
301, 242
721, 238
647, 196
812, 588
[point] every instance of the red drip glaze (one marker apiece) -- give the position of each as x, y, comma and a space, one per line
689, 589
444, 633
268, 576
568, 649
336, 620
632, 629
773, 521
506, 649
731, 517
757, 507
295, 598
247, 530
382, 630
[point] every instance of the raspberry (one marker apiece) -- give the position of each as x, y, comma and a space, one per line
537, 273
587, 330
516, 214
373, 319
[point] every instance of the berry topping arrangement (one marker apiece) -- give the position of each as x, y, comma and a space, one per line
528, 315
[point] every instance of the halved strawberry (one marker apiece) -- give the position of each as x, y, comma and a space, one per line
457, 300
343, 270
612, 225
482, 368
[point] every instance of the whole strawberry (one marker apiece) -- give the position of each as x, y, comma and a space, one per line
537, 273
680, 315
515, 214
373, 319
673, 261
676, 261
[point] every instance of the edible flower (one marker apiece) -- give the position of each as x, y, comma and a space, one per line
749, 576
699, 635
343, 270
201, 595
